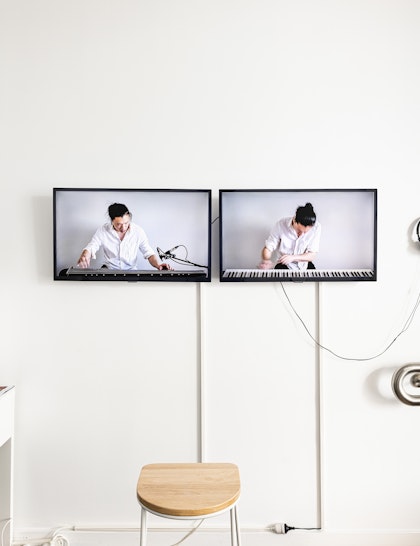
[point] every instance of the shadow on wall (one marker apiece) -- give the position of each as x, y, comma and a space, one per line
401, 385
378, 386
42, 237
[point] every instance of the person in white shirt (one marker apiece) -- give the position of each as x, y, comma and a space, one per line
296, 240
121, 241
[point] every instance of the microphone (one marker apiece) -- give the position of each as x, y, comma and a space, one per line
168, 254
161, 253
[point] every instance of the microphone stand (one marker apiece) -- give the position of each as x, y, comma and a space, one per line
182, 261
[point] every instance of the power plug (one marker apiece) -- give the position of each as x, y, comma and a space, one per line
281, 528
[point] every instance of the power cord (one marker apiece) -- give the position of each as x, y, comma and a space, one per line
404, 329
6, 523
283, 528
53, 539
59, 540
193, 530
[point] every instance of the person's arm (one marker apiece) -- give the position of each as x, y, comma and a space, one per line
305, 257
90, 250
266, 262
266, 253
154, 261
271, 244
147, 250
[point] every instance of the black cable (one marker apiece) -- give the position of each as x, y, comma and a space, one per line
404, 329
181, 261
288, 528
186, 251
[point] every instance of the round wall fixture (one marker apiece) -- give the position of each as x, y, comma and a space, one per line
406, 384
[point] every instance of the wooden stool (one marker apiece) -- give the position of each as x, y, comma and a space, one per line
189, 491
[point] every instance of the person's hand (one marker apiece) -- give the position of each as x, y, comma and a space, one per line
266, 264
286, 259
165, 266
84, 260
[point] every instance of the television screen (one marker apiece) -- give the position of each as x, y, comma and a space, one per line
298, 235
132, 234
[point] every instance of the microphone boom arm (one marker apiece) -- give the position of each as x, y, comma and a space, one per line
169, 256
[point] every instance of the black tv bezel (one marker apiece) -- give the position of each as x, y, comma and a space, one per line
322, 277
155, 275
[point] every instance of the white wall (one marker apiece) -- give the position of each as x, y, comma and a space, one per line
210, 95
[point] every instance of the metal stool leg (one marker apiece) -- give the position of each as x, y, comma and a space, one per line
143, 529
234, 528
238, 536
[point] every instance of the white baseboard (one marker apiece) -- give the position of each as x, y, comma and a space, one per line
212, 537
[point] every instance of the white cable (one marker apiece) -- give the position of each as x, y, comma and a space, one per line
59, 540
134, 529
55, 539
4, 530
189, 533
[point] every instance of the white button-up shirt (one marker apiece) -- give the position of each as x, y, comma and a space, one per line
120, 254
284, 239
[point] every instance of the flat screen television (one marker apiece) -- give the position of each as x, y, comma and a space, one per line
162, 226
339, 242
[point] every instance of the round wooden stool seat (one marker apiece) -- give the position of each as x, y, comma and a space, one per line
189, 491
